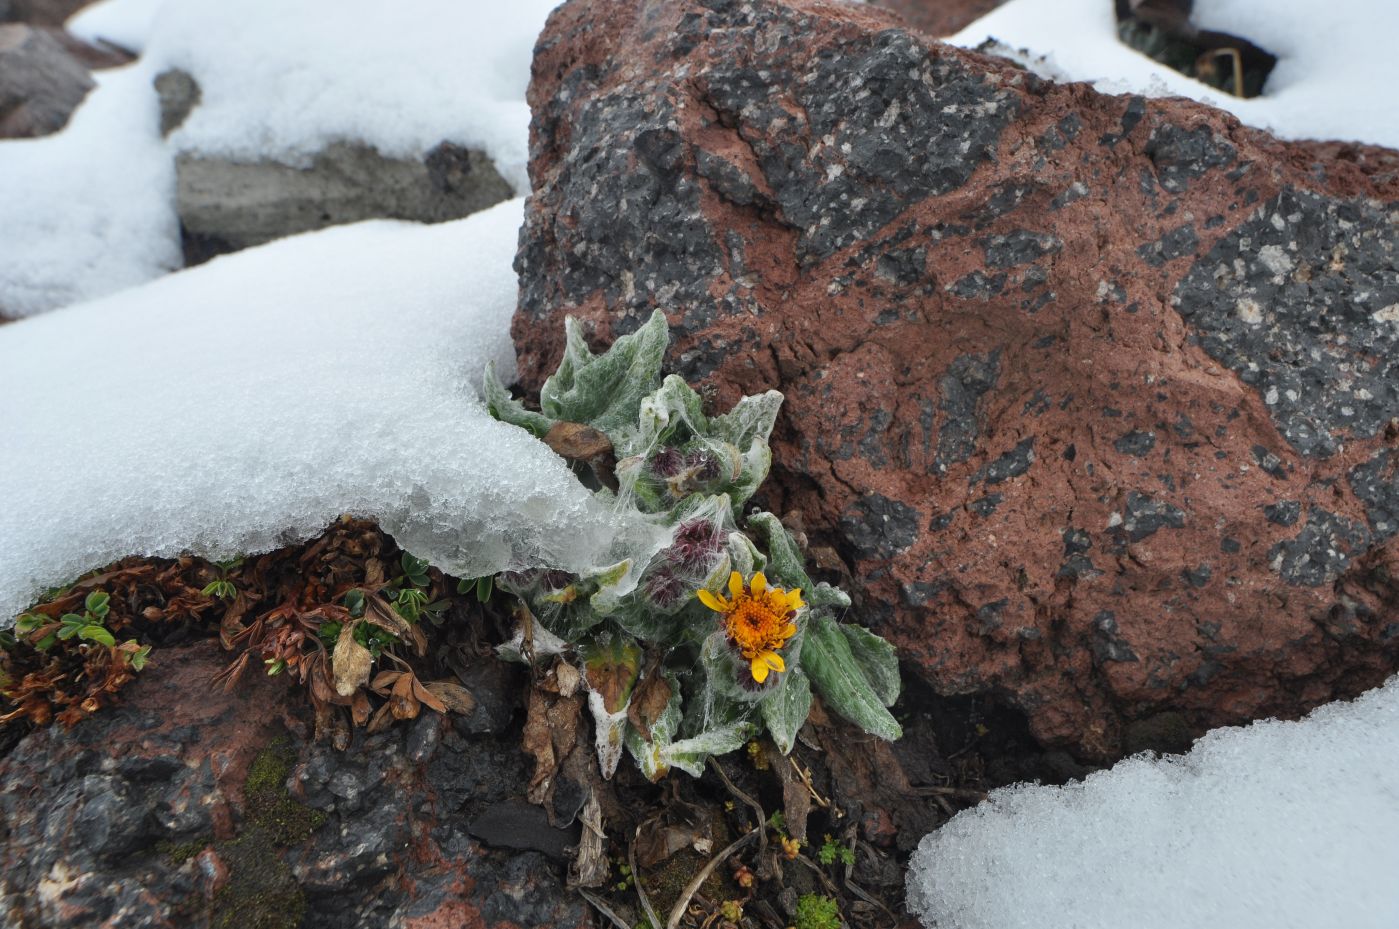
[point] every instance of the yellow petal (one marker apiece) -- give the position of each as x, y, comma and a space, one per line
716, 603
794, 599
774, 661
759, 584
787, 631
760, 669
735, 583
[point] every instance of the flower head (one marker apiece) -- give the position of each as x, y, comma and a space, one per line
758, 620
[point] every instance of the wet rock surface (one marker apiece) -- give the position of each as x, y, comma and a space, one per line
1092, 395
226, 205
185, 806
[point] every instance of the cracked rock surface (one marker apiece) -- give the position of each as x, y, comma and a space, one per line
1094, 396
186, 807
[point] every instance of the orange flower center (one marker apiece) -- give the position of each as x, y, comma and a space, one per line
758, 623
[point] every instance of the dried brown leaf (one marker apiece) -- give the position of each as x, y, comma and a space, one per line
649, 701
351, 662
454, 696
402, 703
426, 697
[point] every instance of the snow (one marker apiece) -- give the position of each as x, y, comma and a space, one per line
1272, 826
282, 80
89, 210
1334, 77
247, 403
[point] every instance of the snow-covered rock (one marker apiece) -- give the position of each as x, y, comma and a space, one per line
249, 402
1279, 825
1334, 78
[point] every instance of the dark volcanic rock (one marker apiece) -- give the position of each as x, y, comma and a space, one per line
1095, 395
185, 807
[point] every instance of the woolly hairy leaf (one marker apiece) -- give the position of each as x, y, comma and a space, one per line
604, 391
841, 681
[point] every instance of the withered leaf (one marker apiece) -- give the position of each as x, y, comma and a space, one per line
453, 696
350, 662
377, 612
648, 703
381, 720
402, 703
359, 708
577, 442
426, 697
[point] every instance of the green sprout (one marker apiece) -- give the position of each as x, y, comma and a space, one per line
832, 851
88, 626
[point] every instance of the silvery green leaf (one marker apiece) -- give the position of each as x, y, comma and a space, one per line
612, 585
741, 555
750, 420
604, 391
659, 414
824, 595
754, 466
876, 659
786, 708
785, 562
509, 410
689, 755
841, 682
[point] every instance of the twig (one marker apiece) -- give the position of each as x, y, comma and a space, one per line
603, 908
636, 879
757, 808
806, 779
678, 912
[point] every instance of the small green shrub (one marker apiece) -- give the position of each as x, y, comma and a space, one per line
817, 912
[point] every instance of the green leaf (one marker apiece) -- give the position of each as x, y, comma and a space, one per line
354, 602
750, 420
786, 708
841, 682
662, 414
45, 643
484, 587
138, 660
97, 634
27, 623
786, 565
605, 391
507, 409
689, 755
96, 602
876, 659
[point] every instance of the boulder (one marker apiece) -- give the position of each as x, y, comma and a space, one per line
41, 82
1092, 397
40, 12
185, 806
226, 205
939, 17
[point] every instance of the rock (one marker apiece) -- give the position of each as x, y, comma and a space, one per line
41, 83
227, 205
185, 806
40, 12
1051, 358
939, 17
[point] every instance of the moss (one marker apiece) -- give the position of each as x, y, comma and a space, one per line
262, 892
177, 853
817, 912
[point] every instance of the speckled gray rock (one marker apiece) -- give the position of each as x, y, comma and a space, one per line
41, 83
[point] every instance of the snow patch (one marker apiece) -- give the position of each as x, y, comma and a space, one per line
247, 403
1334, 78
1279, 825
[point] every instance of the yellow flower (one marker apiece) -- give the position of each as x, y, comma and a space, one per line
757, 620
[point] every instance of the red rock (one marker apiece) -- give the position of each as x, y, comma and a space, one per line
1095, 395
939, 17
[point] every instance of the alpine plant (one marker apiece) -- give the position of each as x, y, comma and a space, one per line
722, 635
